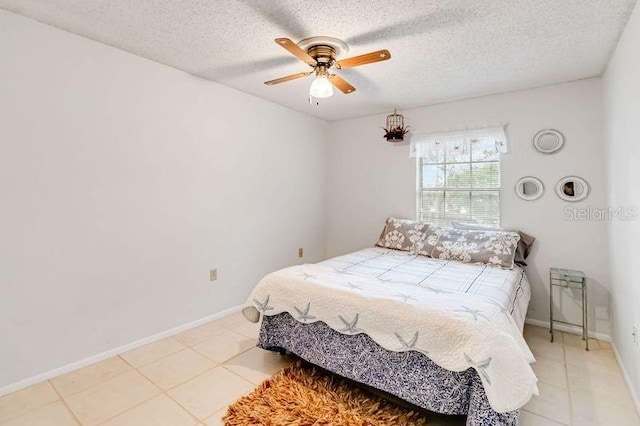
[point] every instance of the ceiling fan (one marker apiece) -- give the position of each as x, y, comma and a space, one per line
322, 53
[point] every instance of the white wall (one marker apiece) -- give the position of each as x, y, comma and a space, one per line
370, 179
122, 183
622, 123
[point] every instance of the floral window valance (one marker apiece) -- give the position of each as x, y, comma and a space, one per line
428, 145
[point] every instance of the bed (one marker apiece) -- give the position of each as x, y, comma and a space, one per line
441, 334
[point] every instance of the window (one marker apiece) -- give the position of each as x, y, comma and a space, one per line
459, 179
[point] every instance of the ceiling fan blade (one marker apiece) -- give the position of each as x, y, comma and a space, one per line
342, 84
369, 58
296, 50
287, 78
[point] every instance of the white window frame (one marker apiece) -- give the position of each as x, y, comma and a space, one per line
420, 190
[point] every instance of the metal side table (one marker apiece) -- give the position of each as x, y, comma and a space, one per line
569, 279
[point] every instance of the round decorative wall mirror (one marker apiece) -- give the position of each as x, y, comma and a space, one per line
548, 141
572, 188
529, 188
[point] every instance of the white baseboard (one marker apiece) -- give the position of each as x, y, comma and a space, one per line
179, 329
112, 352
599, 336
627, 379
568, 328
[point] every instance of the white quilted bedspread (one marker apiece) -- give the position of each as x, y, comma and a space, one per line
456, 330
509, 287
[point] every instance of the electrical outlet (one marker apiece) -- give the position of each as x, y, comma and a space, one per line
634, 333
300, 252
213, 274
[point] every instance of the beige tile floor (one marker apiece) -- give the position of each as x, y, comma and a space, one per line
191, 378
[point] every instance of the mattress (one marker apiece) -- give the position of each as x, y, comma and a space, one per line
453, 328
508, 287
460, 315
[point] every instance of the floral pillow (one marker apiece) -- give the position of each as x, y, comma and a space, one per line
524, 245
402, 234
489, 247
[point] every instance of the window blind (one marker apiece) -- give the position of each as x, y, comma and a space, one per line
460, 181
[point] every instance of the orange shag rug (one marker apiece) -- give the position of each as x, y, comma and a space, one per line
304, 395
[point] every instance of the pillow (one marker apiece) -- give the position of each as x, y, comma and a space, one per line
473, 246
403, 234
524, 245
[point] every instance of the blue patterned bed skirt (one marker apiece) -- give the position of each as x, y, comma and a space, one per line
409, 375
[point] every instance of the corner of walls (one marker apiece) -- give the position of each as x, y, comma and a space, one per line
621, 94
123, 182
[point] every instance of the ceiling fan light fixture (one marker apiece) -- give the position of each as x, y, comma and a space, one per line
321, 87
321, 54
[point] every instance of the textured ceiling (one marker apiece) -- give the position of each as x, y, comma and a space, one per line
441, 50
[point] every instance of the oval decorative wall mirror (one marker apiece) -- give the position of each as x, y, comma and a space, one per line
548, 141
572, 188
529, 188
